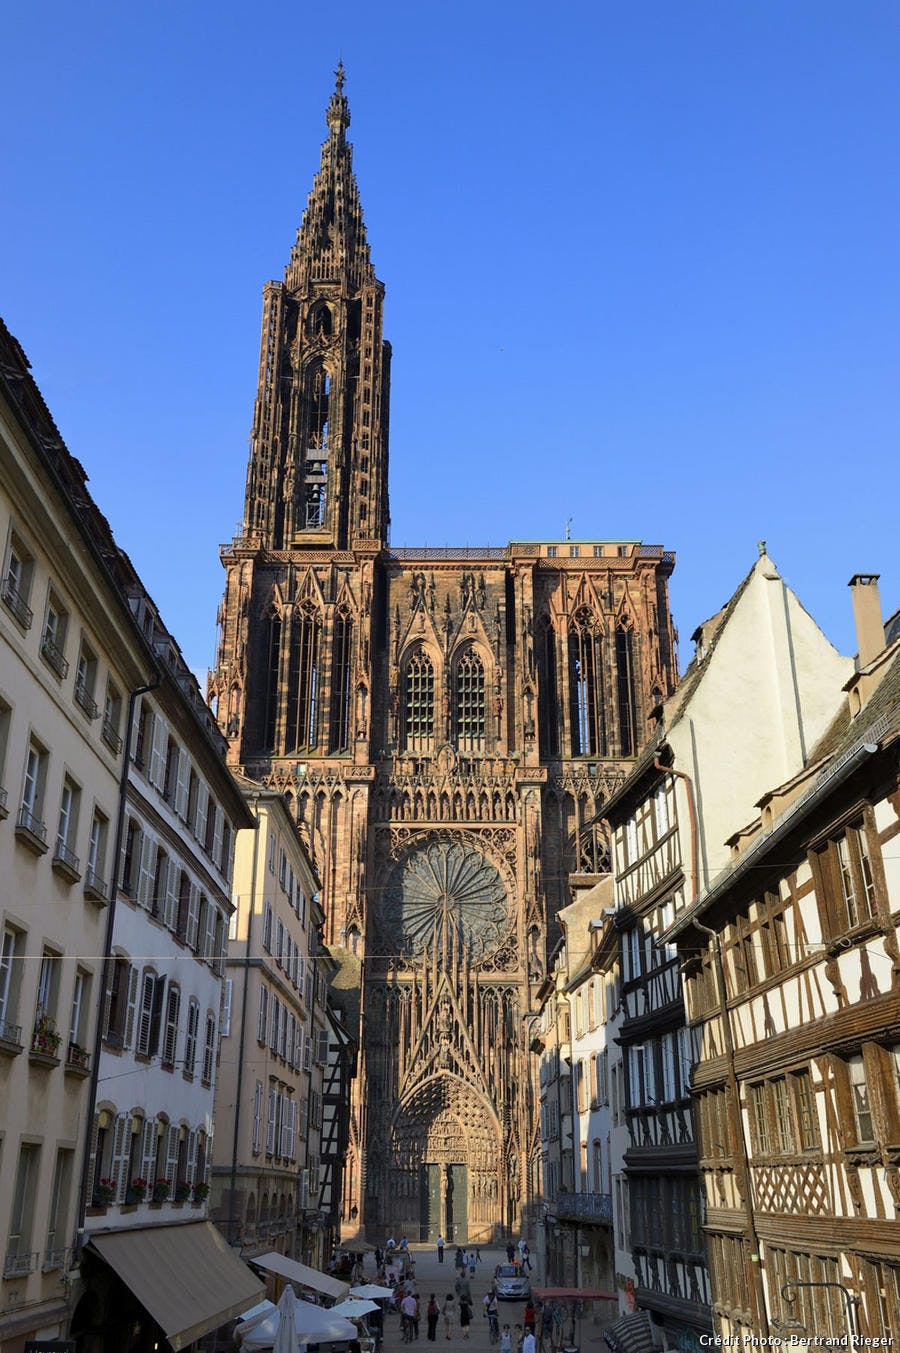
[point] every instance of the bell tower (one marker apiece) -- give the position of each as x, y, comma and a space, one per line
319, 446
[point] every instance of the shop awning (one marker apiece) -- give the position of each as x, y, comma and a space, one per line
299, 1273
188, 1278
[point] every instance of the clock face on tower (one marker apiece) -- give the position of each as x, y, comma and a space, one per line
446, 897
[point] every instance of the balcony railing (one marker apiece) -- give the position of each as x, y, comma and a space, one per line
4, 810
110, 736
78, 1058
15, 1265
86, 701
66, 860
31, 829
585, 1207
10, 1033
95, 885
53, 657
16, 603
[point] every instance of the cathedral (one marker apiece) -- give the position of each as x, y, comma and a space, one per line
445, 724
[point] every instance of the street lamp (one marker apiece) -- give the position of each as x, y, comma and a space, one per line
851, 1301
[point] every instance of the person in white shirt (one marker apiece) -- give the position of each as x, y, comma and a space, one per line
528, 1343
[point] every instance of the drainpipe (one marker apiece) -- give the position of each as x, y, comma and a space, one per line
739, 1140
107, 956
232, 1186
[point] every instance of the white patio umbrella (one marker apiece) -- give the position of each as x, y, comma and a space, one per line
286, 1340
371, 1290
354, 1308
313, 1325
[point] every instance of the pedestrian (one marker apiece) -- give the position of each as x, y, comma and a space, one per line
478, 1253
407, 1316
472, 1263
463, 1290
440, 1249
465, 1316
526, 1258
457, 1258
492, 1312
506, 1340
529, 1316
528, 1343
448, 1311
518, 1347
510, 1252
415, 1319
432, 1311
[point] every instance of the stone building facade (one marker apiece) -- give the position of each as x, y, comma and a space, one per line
446, 723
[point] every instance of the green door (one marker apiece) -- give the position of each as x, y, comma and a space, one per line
429, 1202
457, 1203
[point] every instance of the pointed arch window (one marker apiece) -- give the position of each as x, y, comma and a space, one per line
586, 704
626, 693
272, 680
418, 702
470, 713
304, 677
315, 444
548, 730
341, 673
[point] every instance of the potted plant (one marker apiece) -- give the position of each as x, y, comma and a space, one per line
136, 1191
45, 1038
182, 1191
78, 1056
161, 1190
201, 1193
104, 1193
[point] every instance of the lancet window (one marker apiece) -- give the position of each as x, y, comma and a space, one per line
315, 448
625, 689
418, 702
272, 680
587, 710
304, 678
547, 710
470, 714
341, 672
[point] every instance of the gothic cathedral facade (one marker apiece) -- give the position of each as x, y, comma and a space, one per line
446, 725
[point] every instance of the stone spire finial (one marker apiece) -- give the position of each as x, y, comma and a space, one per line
338, 114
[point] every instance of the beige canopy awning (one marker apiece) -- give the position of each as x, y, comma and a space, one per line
299, 1273
188, 1278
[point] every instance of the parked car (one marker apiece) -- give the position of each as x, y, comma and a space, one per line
510, 1283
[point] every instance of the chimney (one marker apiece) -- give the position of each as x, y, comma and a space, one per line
867, 616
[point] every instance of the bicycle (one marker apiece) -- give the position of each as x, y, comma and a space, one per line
493, 1327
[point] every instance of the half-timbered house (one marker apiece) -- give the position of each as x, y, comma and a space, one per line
792, 969
757, 694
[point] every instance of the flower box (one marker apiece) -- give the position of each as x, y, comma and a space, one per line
161, 1190
104, 1193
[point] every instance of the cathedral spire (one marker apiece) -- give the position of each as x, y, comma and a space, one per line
319, 446
331, 242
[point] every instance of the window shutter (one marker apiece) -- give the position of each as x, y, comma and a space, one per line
274, 1021
290, 1121
171, 912
170, 1042
267, 927
198, 826
225, 1024
120, 1154
173, 1137
93, 1173
209, 1048
191, 1173
308, 985
322, 1046
217, 842
193, 915
131, 1007
307, 1054
148, 868
262, 1025
270, 1124
158, 751
209, 939
148, 1150
145, 1021
181, 784
257, 1116
301, 972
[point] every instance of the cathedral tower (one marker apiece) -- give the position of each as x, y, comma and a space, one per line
446, 725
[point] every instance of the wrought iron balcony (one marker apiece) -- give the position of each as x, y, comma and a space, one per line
86, 701
10, 1033
31, 830
53, 657
594, 1208
65, 861
15, 1265
95, 886
16, 603
111, 737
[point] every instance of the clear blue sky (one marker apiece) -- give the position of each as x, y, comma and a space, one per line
641, 264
